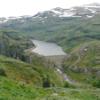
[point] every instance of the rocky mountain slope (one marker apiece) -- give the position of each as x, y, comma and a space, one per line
88, 11
58, 24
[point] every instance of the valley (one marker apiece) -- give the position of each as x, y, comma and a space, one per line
53, 55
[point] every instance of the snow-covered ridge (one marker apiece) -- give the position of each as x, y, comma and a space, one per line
94, 5
63, 12
5, 19
87, 11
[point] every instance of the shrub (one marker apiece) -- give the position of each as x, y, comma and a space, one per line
66, 85
2, 72
46, 82
96, 83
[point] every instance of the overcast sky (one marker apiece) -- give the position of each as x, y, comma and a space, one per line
30, 7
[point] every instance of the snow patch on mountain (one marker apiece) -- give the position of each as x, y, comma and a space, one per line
69, 14
85, 11
63, 14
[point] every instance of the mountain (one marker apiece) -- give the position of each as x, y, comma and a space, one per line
24, 75
80, 11
50, 22
88, 10
69, 31
61, 30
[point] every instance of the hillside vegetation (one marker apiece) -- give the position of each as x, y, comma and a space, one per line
22, 81
34, 74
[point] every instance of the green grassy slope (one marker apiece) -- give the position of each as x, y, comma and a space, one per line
21, 72
84, 63
9, 90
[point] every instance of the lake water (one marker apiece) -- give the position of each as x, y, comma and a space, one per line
47, 48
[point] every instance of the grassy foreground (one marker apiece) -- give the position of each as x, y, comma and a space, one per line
10, 90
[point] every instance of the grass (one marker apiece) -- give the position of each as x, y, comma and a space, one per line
10, 90
83, 64
14, 85
85, 55
29, 73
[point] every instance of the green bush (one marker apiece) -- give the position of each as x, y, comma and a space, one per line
66, 85
96, 83
46, 82
2, 72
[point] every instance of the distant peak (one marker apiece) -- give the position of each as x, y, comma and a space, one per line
58, 8
93, 5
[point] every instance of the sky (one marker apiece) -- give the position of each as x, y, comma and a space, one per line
30, 7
